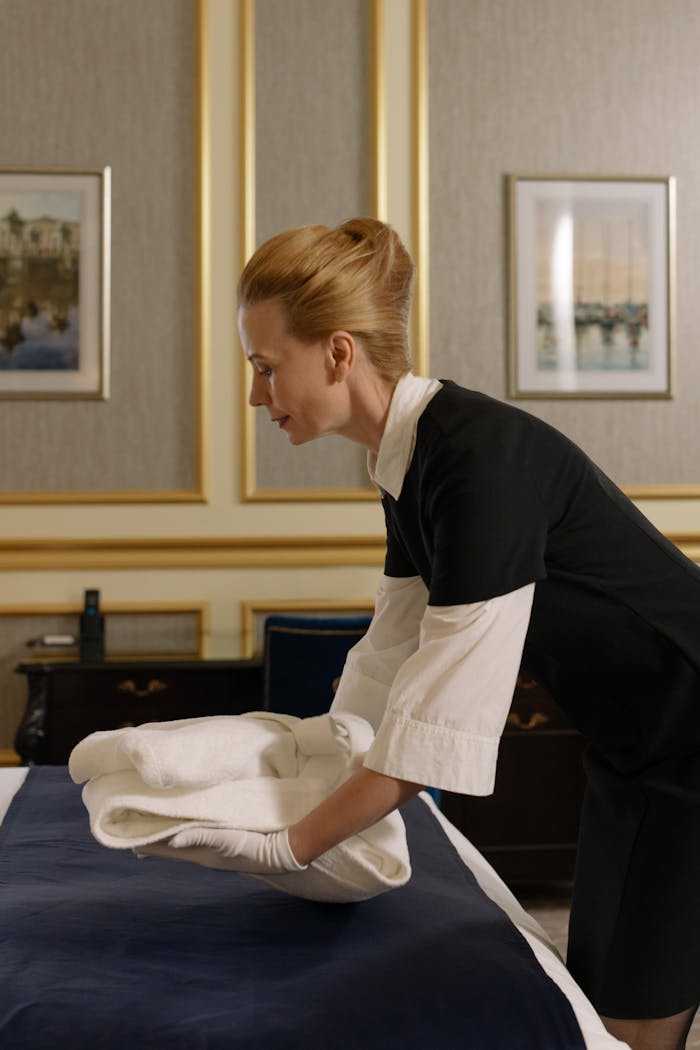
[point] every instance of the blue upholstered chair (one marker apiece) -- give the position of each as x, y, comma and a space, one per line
303, 656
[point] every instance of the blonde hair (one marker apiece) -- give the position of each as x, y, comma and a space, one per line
356, 276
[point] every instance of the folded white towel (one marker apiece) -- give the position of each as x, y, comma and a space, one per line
259, 771
198, 752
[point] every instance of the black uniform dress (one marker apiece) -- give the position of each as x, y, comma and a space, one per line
495, 499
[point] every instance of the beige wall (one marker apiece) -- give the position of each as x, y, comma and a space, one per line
208, 554
552, 87
126, 99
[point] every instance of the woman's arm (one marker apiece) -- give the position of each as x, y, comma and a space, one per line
357, 804
443, 722
446, 710
393, 636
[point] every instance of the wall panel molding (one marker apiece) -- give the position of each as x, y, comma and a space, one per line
421, 186
218, 552
380, 48
200, 611
192, 553
252, 491
195, 226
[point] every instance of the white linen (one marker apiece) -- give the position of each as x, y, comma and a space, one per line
258, 772
594, 1032
10, 782
595, 1036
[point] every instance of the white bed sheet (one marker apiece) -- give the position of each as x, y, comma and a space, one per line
591, 1026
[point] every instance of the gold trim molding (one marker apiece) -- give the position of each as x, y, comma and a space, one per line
191, 553
379, 191
357, 493
96, 496
421, 182
202, 148
256, 607
686, 491
198, 609
239, 552
378, 111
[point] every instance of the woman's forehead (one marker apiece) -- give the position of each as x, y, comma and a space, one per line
261, 323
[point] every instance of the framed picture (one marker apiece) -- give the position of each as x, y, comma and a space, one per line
54, 283
591, 286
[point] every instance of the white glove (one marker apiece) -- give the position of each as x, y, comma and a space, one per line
230, 849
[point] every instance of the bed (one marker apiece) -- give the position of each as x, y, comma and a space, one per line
100, 951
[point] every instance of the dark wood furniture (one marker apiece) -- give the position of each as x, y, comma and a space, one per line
528, 828
67, 700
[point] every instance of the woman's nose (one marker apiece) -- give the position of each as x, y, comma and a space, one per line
258, 391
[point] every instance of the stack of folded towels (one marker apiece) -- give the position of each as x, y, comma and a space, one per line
259, 772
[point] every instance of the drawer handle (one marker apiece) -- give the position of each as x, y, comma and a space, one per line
154, 686
525, 683
536, 719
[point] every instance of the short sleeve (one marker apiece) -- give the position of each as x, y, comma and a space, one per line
485, 520
398, 561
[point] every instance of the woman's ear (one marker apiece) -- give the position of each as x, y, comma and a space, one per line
342, 355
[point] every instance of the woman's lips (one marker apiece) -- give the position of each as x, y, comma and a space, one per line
280, 420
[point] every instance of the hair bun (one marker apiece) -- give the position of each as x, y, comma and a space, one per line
364, 229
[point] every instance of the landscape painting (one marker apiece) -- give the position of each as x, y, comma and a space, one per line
54, 292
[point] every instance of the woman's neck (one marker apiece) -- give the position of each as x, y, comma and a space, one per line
370, 400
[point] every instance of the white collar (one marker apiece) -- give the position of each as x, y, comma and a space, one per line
387, 468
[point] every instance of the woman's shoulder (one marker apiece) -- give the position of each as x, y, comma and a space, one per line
471, 421
467, 434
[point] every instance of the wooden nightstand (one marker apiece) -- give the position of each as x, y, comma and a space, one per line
67, 700
528, 828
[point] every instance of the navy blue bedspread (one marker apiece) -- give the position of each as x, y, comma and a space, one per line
101, 951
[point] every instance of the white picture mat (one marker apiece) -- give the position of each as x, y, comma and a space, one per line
85, 192
529, 377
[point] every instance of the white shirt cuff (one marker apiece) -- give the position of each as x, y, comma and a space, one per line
434, 756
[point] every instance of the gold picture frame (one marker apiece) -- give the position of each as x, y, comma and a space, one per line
54, 283
592, 278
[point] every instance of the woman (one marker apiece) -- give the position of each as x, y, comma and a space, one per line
504, 544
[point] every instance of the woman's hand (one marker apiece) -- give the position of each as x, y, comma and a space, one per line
361, 801
230, 849
357, 804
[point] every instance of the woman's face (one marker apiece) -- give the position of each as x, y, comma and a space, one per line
296, 382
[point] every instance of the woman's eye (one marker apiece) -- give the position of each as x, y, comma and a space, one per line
264, 371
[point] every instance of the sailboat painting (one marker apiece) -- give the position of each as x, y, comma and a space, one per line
591, 287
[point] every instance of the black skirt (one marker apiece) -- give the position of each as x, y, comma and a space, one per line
634, 938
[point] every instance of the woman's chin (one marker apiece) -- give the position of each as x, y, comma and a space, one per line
299, 439
298, 435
